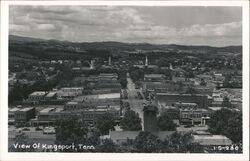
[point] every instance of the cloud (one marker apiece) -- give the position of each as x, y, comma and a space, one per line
208, 30
124, 23
19, 28
46, 27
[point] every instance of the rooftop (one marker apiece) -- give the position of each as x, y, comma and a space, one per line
26, 109
47, 110
50, 94
14, 109
154, 75
72, 103
215, 108
122, 135
212, 140
173, 94
38, 93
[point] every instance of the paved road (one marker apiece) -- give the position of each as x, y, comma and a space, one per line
136, 104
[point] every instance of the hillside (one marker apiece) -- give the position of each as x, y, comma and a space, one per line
44, 49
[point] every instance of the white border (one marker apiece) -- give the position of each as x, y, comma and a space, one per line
5, 156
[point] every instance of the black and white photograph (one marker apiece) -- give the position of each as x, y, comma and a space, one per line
130, 79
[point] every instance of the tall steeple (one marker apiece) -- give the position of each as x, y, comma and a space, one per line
170, 66
146, 61
109, 61
91, 64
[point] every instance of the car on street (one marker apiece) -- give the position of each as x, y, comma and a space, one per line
49, 130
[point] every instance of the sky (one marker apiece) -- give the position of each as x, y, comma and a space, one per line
213, 26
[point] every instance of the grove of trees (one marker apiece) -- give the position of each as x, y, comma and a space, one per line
131, 121
165, 122
227, 122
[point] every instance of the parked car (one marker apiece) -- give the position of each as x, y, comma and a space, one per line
26, 129
38, 129
49, 130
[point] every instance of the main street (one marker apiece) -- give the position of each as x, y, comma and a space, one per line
135, 103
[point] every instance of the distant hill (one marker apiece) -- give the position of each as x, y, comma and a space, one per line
14, 38
44, 48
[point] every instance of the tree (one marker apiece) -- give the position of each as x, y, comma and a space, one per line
137, 74
218, 121
165, 122
131, 121
108, 146
123, 82
191, 90
105, 123
20, 139
234, 128
146, 142
164, 62
226, 102
71, 129
181, 143
228, 123
203, 83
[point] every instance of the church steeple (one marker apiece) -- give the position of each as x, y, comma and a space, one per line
91, 64
146, 61
170, 66
109, 61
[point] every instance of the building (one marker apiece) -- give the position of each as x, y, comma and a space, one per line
22, 116
161, 87
11, 115
51, 96
90, 116
154, 77
169, 99
107, 77
73, 105
43, 117
149, 118
69, 92
209, 140
170, 110
194, 116
37, 96
120, 137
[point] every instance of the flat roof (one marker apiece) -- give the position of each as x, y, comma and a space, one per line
72, 88
212, 140
59, 109
26, 109
174, 94
14, 109
215, 108
50, 94
38, 93
46, 110
153, 75
103, 96
72, 103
